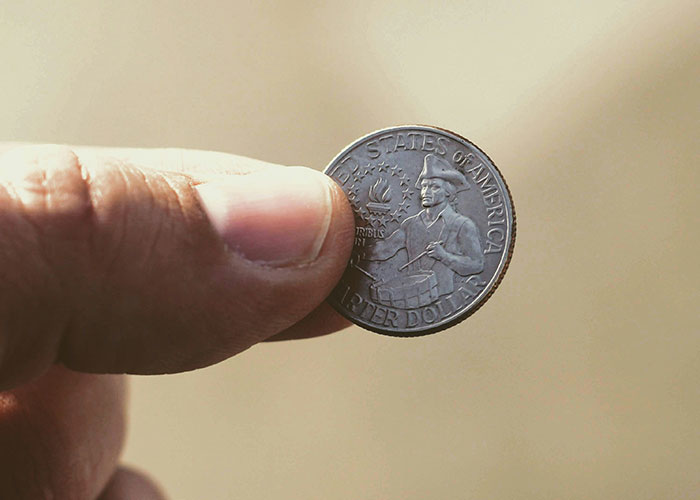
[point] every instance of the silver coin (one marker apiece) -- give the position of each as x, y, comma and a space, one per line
434, 234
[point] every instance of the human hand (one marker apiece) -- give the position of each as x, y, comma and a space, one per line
143, 261
436, 250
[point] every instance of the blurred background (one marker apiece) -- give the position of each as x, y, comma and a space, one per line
578, 379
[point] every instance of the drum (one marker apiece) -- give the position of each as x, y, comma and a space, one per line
406, 292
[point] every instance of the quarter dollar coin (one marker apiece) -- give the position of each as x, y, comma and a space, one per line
434, 230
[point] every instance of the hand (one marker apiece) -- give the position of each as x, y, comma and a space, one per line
143, 261
436, 250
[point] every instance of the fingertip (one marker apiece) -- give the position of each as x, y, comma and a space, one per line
278, 217
131, 484
342, 232
323, 320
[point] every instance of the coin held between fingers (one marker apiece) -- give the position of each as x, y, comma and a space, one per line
435, 225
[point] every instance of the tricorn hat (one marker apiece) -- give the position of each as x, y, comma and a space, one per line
436, 167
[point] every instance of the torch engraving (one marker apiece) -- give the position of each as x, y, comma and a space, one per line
379, 196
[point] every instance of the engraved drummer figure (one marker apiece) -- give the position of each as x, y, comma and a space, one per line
438, 239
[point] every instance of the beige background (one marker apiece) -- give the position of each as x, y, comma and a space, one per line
579, 379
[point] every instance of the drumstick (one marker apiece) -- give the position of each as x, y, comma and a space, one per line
364, 272
416, 258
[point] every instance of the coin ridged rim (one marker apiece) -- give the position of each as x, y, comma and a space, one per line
495, 280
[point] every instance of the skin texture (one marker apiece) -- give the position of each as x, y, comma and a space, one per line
61, 435
110, 264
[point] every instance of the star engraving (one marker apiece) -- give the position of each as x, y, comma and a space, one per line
383, 167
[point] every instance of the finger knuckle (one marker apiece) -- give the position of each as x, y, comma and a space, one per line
46, 182
136, 212
44, 196
43, 203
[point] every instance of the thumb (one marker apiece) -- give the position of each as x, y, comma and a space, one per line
112, 265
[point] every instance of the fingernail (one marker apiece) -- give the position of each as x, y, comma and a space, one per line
278, 217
